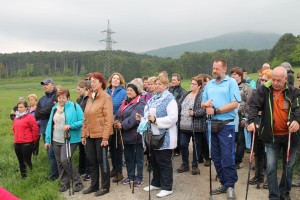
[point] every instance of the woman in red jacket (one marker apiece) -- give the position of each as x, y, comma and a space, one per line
25, 131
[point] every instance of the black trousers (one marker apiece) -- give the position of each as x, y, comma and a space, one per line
24, 152
97, 156
84, 164
162, 169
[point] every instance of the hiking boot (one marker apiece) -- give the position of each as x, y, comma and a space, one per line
206, 163
113, 173
286, 196
238, 165
183, 168
296, 183
118, 177
78, 187
219, 190
195, 171
64, 188
101, 192
255, 180
265, 185
230, 194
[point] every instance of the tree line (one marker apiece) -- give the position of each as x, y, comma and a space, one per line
131, 65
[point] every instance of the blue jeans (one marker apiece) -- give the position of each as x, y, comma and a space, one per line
248, 138
223, 155
280, 145
53, 164
131, 152
185, 137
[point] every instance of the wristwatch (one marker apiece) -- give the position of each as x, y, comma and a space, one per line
217, 111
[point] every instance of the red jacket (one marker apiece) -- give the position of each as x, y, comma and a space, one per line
25, 129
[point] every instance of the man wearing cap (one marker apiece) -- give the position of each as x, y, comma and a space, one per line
42, 114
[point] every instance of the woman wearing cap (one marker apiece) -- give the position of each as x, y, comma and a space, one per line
25, 131
65, 116
96, 130
162, 112
116, 89
133, 144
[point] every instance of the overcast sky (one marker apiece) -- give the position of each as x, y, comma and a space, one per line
139, 25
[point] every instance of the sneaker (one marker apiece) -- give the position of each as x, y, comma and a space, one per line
78, 187
219, 190
126, 181
151, 188
265, 185
137, 183
195, 171
118, 177
230, 194
164, 193
183, 168
87, 177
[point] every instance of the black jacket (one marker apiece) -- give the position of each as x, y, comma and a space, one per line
262, 100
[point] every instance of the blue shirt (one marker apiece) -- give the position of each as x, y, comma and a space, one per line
222, 93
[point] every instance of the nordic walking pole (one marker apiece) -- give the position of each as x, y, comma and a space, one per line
250, 162
209, 148
135, 150
148, 135
194, 138
68, 154
287, 160
116, 156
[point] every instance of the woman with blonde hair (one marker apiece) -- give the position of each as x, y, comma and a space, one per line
162, 112
116, 89
33, 99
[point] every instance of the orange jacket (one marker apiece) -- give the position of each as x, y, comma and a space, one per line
98, 116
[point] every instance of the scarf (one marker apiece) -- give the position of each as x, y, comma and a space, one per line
19, 115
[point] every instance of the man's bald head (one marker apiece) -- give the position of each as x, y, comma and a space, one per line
279, 78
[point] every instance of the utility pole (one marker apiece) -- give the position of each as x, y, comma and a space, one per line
108, 66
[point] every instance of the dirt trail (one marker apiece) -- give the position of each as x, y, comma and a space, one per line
185, 187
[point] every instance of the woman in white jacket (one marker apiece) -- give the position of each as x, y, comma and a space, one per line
162, 112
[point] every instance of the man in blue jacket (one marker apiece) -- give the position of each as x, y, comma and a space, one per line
42, 114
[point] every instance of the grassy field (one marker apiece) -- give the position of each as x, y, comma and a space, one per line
35, 187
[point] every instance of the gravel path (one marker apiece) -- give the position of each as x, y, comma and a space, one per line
185, 187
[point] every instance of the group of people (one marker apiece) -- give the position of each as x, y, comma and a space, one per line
116, 118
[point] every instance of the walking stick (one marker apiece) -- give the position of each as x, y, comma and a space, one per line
116, 156
134, 162
287, 160
194, 138
69, 161
149, 154
250, 162
209, 148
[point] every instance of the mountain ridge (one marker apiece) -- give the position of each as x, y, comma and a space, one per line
251, 41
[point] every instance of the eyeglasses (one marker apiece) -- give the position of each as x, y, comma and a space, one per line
193, 84
264, 80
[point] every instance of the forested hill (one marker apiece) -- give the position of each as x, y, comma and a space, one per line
133, 65
245, 40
